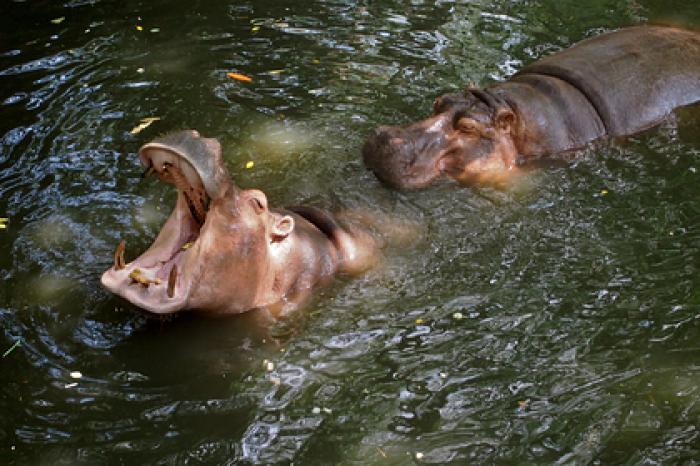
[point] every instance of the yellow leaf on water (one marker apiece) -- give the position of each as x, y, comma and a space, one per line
255, 28
3, 223
250, 164
58, 20
139, 28
143, 124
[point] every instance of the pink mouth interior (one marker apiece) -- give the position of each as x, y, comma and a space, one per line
147, 280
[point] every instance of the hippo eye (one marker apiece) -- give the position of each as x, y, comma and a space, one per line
467, 126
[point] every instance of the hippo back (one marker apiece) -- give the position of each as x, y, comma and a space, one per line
633, 77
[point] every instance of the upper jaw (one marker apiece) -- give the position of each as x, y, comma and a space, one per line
200, 160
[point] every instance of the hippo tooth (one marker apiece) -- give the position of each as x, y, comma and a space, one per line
171, 281
148, 172
119, 262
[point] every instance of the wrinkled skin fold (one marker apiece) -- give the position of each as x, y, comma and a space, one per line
612, 85
223, 250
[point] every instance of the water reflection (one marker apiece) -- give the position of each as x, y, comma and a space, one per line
554, 322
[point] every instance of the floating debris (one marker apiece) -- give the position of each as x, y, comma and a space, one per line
458, 316
139, 28
250, 164
58, 20
3, 223
76, 375
143, 124
240, 77
12, 348
419, 455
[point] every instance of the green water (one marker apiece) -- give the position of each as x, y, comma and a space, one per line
555, 322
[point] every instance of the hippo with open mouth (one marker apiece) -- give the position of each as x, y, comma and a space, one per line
223, 250
615, 84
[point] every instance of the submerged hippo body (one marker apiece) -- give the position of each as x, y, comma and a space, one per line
614, 84
222, 250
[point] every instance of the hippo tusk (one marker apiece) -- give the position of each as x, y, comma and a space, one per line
171, 281
119, 262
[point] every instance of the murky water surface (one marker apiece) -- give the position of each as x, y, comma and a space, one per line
553, 322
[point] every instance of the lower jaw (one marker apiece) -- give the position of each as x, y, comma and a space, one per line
160, 287
152, 297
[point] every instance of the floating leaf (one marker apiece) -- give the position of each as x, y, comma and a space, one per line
143, 124
250, 164
58, 20
139, 28
3, 223
240, 77
255, 28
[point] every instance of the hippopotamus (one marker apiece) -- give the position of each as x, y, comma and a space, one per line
612, 85
223, 250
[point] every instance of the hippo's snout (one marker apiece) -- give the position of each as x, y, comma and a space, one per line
403, 158
390, 154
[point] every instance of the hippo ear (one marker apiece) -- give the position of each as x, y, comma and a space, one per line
504, 119
282, 226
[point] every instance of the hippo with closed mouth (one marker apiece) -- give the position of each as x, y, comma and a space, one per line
224, 250
615, 84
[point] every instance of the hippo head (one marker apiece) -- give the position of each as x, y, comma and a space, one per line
214, 251
469, 137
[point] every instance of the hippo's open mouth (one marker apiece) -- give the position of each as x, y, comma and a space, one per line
160, 279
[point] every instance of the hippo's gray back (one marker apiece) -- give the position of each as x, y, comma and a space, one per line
633, 77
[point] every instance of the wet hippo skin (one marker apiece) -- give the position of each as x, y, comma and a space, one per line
223, 250
615, 84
